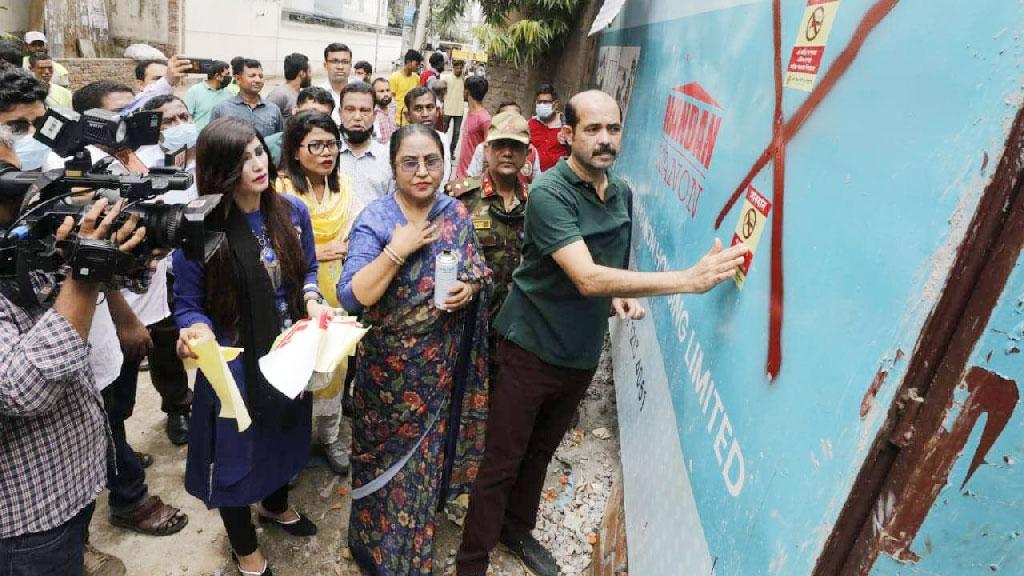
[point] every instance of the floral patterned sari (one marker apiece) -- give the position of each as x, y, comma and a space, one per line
420, 396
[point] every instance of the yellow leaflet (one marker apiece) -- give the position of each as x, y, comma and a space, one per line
213, 362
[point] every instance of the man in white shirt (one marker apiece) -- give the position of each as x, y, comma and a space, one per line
155, 78
131, 504
421, 108
176, 148
338, 63
362, 158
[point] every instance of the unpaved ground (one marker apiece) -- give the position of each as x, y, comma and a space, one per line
579, 483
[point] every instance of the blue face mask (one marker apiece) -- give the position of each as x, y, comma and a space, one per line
179, 136
545, 110
31, 152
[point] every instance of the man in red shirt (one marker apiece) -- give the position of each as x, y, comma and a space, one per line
546, 128
478, 121
435, 70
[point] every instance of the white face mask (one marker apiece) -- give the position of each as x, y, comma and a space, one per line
545, 110
31, 152
182, 135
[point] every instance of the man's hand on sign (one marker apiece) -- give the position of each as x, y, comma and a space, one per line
715, 267
628, 309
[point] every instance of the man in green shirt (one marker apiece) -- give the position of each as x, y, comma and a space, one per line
203, 97
575, 250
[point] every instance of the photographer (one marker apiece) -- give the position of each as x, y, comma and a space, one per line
153, 308
131, 504
53, 448
22, 102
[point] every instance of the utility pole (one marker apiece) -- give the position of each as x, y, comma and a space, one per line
421, 24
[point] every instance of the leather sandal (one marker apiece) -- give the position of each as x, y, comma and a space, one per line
152, 517
146, 460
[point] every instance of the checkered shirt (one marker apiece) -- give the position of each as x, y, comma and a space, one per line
386, 123
53, 430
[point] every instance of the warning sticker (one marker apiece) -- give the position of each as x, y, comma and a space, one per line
753, 219
811, 37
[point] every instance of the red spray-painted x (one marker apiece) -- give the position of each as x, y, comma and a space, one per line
782, 131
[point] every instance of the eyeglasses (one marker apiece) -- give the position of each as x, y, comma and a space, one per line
337, 62
410, 166
316, 147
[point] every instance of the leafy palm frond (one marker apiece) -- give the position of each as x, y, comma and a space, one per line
518, 31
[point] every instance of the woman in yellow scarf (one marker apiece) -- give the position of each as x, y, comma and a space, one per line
309, 168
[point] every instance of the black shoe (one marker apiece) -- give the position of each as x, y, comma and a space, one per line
301, 527
177, 428
533, 555
266, 568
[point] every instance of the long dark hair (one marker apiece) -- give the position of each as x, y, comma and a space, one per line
220, 155
297, 128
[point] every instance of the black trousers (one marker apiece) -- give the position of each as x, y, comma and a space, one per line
165, 368
238, 521
455, 134
531, 407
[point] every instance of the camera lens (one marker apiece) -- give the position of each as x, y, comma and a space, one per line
162, 222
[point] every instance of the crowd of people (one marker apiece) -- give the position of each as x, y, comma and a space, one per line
337, 199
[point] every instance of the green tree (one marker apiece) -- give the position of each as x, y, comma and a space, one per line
518, 31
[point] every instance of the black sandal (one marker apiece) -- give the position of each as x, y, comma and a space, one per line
301, 526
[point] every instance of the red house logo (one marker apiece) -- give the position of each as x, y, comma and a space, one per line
690, 132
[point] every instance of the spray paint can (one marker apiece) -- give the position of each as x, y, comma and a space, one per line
446, 268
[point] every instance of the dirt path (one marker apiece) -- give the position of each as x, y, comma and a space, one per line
579, 482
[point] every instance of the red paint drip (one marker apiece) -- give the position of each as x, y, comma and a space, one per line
782, 132
990, 394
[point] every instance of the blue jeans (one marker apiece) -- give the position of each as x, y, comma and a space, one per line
126, 478
59, 551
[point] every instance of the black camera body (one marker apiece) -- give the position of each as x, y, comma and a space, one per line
66, 131
29, 244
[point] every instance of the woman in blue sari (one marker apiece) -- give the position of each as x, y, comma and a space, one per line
260, 280
420, 395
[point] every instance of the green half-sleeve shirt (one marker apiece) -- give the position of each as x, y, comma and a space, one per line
545, 313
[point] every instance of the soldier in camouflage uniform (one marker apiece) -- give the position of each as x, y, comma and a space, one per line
497, 201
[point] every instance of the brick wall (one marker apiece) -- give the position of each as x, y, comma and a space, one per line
85, 70
174, 18
507, 82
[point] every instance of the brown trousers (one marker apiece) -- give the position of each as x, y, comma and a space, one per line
531, 407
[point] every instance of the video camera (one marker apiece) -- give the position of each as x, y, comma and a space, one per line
29, 243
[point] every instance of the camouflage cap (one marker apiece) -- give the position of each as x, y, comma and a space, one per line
509, 126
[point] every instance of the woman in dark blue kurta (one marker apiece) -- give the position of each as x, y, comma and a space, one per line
261, 279
420, 395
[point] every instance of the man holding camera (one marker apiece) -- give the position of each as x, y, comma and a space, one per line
131, 504
54, 445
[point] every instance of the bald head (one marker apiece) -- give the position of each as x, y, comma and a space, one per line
593, 129
590, 102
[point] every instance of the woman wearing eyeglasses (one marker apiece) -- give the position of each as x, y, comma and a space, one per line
260, 280
309, 166
420, 396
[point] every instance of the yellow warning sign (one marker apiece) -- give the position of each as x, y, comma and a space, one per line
459, 54
752, 222
809, 48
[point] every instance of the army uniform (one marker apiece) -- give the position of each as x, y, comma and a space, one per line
500, 232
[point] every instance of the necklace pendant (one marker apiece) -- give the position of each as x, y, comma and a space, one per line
272, 266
